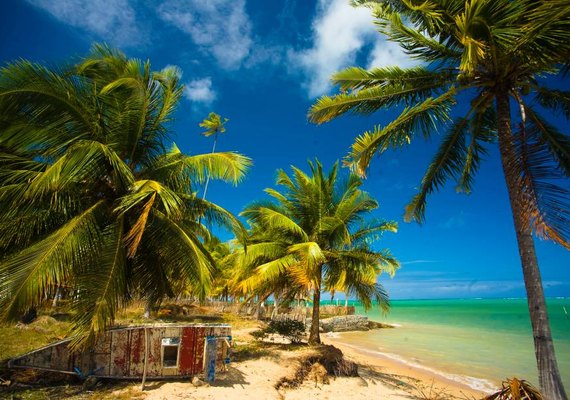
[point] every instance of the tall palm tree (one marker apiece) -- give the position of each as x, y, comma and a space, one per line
90, 197
214, 126
493, 54
317, 234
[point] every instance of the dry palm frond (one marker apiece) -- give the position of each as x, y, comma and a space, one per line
515, 389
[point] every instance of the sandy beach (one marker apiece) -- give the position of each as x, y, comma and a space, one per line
256, 378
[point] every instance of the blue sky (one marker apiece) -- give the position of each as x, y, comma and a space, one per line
261, 64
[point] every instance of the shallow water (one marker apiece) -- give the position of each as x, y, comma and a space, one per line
479, 341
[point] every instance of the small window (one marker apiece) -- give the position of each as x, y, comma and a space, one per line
170, 352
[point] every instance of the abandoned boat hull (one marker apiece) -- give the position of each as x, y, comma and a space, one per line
173, 351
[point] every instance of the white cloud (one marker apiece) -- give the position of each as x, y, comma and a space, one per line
200, 91
340, 32
386, 53
420, 262
219, 27
458, 288
454, 222
111, 20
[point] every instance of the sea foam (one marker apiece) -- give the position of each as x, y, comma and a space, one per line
480, 384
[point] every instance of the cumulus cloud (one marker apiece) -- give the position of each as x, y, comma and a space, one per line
386, 53
340, 32
220, 28
111, 20
200, 91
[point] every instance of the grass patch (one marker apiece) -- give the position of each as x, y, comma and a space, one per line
250, 351
18, 338
110, 390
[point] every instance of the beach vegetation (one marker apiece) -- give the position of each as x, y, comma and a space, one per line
213, 125
316, 233
490, 59
94, 196
290, 329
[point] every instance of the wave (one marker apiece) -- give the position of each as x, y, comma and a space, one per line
480, 384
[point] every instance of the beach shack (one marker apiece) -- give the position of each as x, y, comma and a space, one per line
151, 352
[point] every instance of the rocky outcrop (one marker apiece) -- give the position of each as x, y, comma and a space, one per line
348, 323
345, 323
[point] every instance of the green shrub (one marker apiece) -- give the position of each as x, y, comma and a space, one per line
288, 328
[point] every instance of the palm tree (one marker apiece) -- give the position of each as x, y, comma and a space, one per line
90, 197
223, 273
315, 235
214, 126
490, 53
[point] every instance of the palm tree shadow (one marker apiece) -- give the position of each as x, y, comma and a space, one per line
154, 385
371, 375
230, 378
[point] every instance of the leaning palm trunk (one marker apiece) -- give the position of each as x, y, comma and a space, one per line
549, 376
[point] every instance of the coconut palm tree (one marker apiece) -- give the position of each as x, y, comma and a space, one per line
490, 56
214, 126
90, 197
317, 234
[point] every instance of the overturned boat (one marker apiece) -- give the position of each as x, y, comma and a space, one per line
151, 352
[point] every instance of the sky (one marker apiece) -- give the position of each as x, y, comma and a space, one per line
262, 64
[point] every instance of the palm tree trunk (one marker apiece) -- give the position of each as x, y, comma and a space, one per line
314, 335
56, 296
275, 311
208, 177
147, 310
549, 376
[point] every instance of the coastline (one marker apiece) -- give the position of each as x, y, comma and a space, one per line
454, 384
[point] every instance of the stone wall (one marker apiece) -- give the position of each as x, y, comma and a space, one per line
345, 323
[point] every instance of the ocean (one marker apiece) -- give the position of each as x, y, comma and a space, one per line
479, 342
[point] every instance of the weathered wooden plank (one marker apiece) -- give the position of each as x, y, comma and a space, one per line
59, 357
103, 344
136, 363
119, 353
85, 362
187, 351
172, 332
155, 355
41, 358
199, 350
102, 364
102, 355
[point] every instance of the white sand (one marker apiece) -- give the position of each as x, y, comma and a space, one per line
255, 379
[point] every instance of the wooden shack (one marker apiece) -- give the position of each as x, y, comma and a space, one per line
171, 351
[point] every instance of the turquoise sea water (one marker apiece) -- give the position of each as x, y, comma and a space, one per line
479, 341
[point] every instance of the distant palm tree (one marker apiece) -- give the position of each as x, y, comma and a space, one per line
214, 126
490, 53
318, 234
90, 198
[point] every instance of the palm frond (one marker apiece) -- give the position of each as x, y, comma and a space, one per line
417, 85
228, 166
422, 118
448, 162
274, 220
101, 290
33, 272
555, 100
545, 195
557, 143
